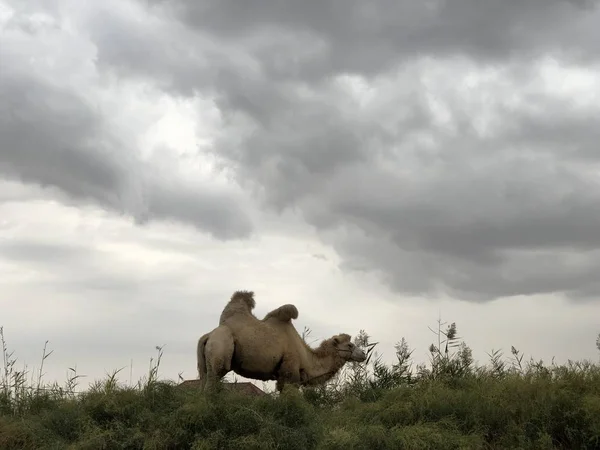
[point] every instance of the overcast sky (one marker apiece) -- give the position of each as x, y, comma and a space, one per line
377, 164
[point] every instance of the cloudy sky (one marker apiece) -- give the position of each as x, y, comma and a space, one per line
375, 164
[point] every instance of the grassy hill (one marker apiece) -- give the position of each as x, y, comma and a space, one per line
451, 403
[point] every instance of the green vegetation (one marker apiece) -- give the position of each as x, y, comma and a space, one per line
451, 403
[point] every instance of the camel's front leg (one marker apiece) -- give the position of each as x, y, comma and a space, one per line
281, 383
289, 373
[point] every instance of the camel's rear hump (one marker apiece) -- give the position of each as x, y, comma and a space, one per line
284, 313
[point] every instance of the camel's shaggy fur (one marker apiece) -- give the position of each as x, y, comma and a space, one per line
241, 303
268, 349
284, 313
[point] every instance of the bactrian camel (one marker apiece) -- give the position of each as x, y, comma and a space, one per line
268, 349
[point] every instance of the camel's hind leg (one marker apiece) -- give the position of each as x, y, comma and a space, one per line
218, 355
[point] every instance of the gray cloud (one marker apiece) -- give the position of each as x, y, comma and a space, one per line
483, 192
45, 138
42, 252
370, 38
82, 268
50, 135
70, 267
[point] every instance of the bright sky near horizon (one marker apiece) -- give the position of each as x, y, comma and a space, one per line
376, 165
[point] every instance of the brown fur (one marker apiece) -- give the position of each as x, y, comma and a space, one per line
284, 313
241, 303
219, 344
201, 362
269, 349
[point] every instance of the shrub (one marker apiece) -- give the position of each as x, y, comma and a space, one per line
450, 404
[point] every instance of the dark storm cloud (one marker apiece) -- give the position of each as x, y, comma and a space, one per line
52, 136
371, 37
480, 216
46, 138
403, 179
509, 272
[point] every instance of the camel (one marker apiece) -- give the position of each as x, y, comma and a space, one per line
268, 349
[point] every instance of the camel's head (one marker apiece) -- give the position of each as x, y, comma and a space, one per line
347, 349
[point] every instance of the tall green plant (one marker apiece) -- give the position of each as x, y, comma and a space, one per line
444, 363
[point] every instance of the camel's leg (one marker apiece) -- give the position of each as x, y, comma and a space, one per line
281, 383
303, 379
289, 372
303, 376
219, 352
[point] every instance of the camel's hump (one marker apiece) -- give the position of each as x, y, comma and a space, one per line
284, 313
245, 296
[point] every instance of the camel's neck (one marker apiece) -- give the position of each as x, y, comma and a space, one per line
321, 368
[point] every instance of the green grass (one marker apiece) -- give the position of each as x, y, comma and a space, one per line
450, 404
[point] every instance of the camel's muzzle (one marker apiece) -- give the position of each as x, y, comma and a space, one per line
358, 355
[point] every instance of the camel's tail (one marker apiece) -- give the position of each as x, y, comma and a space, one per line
201, 359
